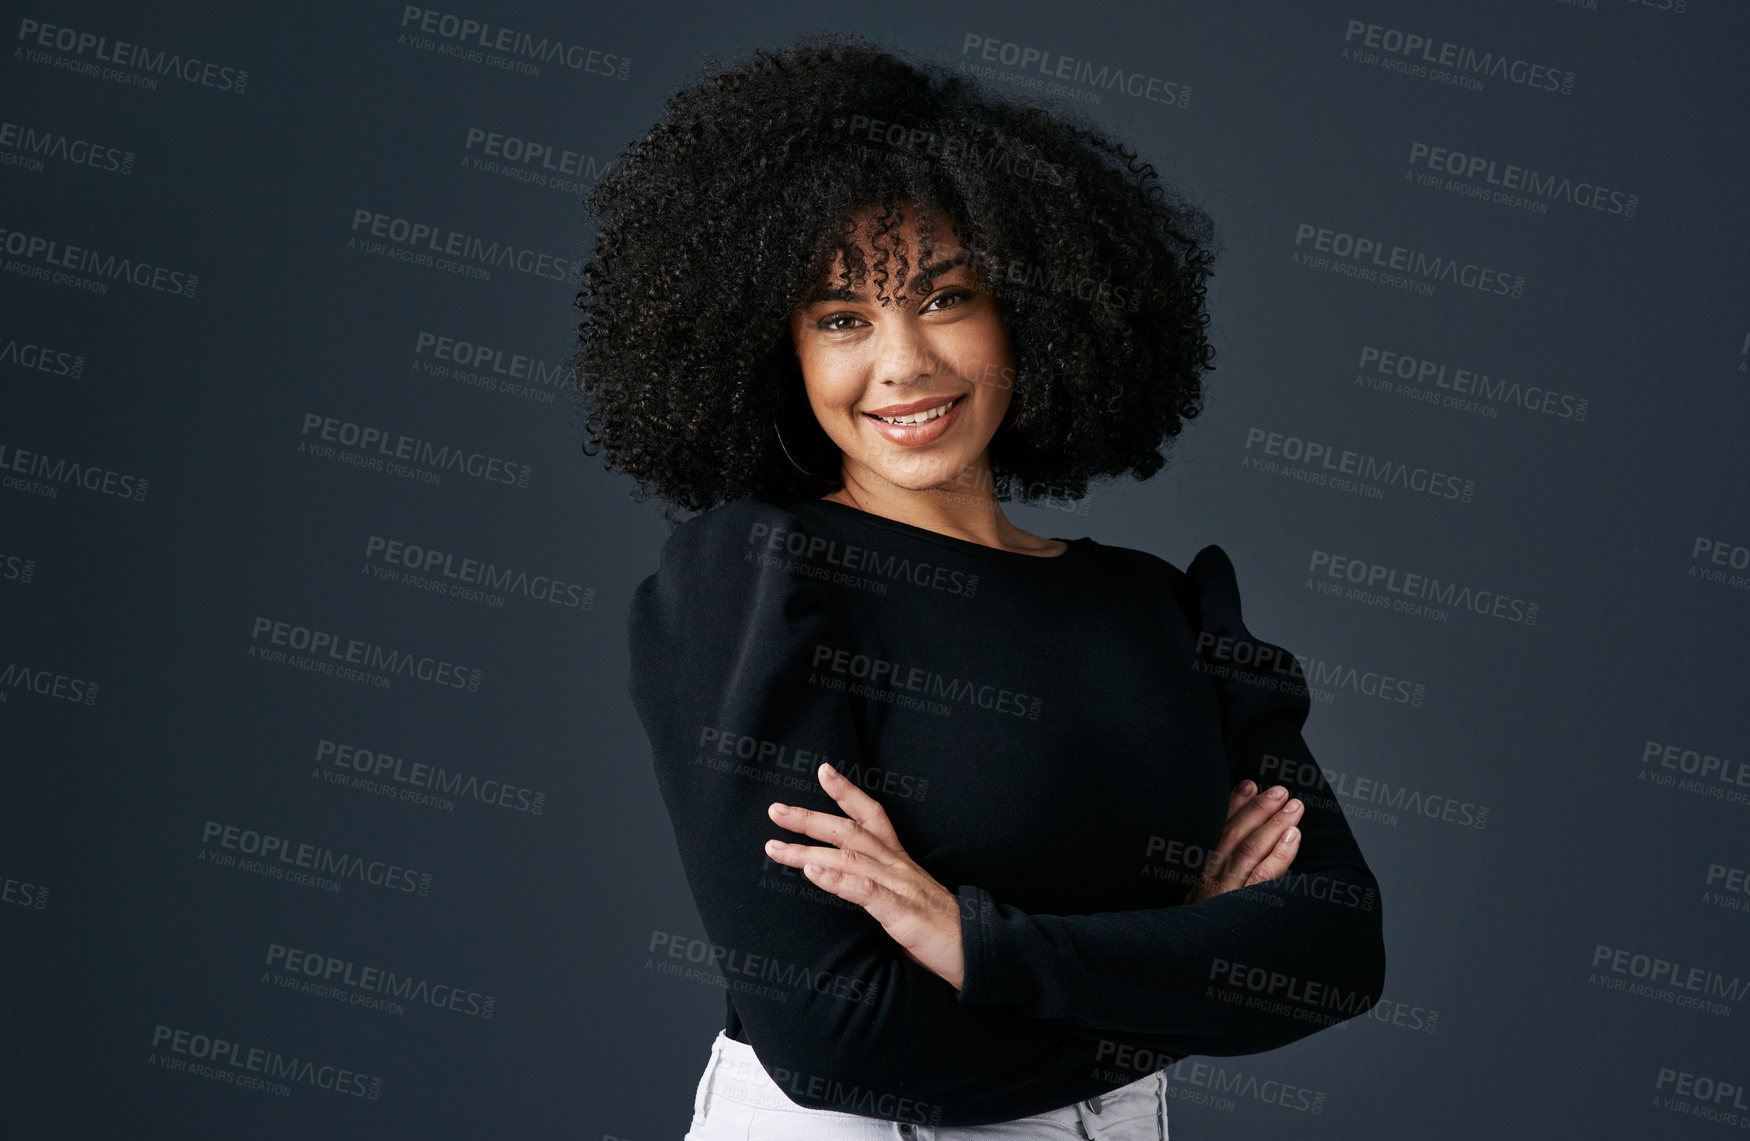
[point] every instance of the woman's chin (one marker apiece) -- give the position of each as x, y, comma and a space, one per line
944, 475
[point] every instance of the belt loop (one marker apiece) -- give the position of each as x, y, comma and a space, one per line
1082, 1123
702, 1100
1161, 1116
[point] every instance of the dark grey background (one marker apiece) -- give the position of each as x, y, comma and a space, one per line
1503, 1027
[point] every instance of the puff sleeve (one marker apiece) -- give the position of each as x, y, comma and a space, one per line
1246, 971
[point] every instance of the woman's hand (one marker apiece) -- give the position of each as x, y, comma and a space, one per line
1257, 843
868, 867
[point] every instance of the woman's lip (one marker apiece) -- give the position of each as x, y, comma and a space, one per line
916, 435
915, 406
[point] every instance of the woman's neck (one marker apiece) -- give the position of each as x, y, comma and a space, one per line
973, 513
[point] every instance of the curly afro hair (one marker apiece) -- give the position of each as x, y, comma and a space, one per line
721, 219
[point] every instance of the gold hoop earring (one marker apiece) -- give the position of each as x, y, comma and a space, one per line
787, 454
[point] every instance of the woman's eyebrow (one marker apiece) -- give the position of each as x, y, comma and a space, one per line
919, 283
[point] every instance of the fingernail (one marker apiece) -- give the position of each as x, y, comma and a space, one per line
1289, 836
780, 809
1247, 788
1277, 792
1292, 806
828, 769
774, 845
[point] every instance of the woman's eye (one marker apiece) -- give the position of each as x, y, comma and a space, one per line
840, 322
955, 295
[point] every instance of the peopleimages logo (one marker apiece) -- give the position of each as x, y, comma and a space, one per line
1387, 263
408, 780
1365, 682
490, 367
235, 1063
526, 160
48, 259
745, 972
818, 556
1532, 189
1221, 1087
756, 758
1042, 66
1703, 1096
21, 893
1442, 61
377, 988
320, 650
1727, 887
396, 453
1409, 592
441, 570
980, 149
436, 247
1706, 774
1720, 560
478, 41
1666, 980
47, 475
17, 676
1275, 992
27, 147
1326, 464
913, 687
36, 357
17, 568
228, 845
133, 64
1465, 389
1373, 792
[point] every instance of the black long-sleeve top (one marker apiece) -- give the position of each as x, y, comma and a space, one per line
1054, 738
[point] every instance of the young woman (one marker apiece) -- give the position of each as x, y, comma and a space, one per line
986, 829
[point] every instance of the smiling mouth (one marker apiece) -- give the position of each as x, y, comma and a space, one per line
923, 417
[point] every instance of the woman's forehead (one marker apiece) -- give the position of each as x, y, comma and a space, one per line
920, 279
907, 239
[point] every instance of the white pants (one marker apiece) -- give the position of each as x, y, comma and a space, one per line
738, 1101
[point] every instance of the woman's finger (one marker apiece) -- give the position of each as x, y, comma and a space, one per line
1280, 857
858, 889
838, 830
837, 859
854, 877
1256, 810
1242, 824
1241, 795
900, 909
1250, 849
1254, 847
858, 805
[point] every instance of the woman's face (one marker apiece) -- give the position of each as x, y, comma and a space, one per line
936, 343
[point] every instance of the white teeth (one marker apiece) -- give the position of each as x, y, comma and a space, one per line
920, 417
